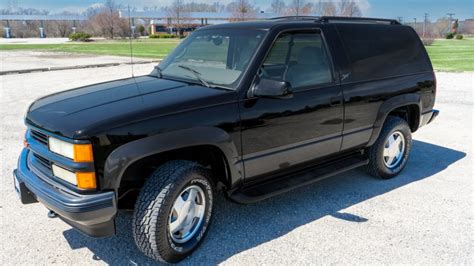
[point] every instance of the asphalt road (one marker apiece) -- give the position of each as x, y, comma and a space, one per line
424, 216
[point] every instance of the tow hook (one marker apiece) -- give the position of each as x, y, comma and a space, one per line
52, 214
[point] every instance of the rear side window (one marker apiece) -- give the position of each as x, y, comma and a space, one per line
379, 51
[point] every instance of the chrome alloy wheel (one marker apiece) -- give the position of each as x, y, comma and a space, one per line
187, 214
394, 149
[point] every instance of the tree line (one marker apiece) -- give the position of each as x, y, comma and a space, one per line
104, 20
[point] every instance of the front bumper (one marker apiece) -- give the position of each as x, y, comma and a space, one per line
92, 214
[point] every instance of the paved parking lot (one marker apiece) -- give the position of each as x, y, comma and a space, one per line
426, 215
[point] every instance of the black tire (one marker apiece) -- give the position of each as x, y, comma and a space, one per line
155, 202
377, 166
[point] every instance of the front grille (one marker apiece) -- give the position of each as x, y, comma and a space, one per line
43, 161
41, 137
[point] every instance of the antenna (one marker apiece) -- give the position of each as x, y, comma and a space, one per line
130, 37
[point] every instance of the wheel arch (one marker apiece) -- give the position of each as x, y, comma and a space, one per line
170, 145
406, 106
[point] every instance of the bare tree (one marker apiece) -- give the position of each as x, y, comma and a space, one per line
328, 8
241, 10
109, 17
203, 7
295, 8
106, 21
441, 27
24, 11
307, 9
92, 11
278, 6
318, 8
150, 8
63, 28
348, 8
466, 27
177, 14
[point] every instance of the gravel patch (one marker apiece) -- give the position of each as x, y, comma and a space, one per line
37, 60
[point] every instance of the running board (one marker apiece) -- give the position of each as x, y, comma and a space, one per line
281, 185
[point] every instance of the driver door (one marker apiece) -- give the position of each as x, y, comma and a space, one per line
278, 134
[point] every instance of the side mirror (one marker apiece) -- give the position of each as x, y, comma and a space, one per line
275, 89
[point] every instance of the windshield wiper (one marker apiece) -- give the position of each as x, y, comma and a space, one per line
158, 70
196, 74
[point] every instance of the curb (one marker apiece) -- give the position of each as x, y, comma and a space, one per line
43, 69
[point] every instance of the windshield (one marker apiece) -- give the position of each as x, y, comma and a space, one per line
215, 57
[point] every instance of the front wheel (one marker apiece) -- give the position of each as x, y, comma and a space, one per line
173, 211
389, 154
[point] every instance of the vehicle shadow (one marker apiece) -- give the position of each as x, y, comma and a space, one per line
237, 228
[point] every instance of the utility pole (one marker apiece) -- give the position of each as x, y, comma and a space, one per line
450, 15
297, 8
424, 24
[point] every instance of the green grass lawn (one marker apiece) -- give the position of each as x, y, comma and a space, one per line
452, 55
446, 55
148, 48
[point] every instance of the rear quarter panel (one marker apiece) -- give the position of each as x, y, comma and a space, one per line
365, 96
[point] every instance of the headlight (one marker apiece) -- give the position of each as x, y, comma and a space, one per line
76, 152
80, 179
64, 174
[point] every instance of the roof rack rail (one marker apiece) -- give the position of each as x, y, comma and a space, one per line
296, 17
359, 20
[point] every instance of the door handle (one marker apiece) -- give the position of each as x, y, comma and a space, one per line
345, 76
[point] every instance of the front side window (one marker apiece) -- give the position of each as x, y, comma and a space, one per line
298, 58
218, 57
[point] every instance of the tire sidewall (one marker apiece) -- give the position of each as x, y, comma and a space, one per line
403, 128
189, 246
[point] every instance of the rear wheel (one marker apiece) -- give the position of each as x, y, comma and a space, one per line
173, 211
389, 154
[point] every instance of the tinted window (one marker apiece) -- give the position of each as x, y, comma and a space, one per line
217, 56
300, 59
200, 47
378, 51
277, 55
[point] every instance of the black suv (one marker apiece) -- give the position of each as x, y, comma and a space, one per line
252, 109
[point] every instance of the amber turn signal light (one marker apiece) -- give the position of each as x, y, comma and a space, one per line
86, 180
83, 153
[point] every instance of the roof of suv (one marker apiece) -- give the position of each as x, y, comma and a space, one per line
269, 23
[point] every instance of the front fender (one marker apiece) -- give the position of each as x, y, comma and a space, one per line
124, 156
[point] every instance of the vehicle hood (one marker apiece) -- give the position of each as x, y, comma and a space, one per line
76, 113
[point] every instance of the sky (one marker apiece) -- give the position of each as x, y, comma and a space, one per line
407, 9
